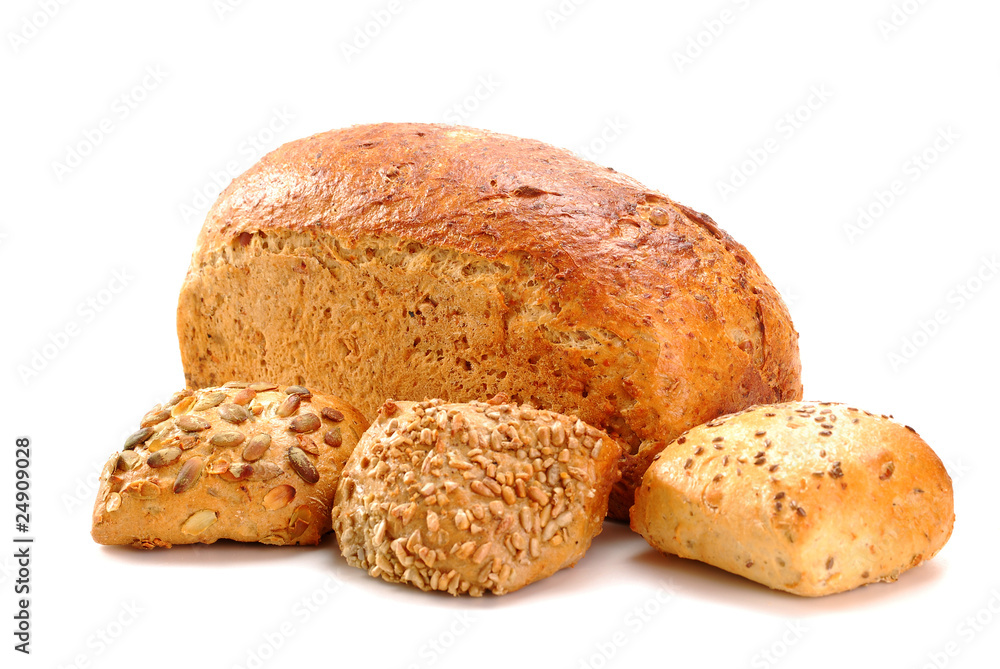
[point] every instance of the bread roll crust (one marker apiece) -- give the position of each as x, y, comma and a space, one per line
413, 261
810, 498
249, 462
473, 498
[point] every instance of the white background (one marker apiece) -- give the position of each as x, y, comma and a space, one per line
93, 251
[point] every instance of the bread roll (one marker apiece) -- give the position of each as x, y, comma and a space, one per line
246, 462
414, 261
810, 498
473, 498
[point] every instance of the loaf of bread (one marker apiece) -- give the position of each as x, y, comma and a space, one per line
414, 261
473, 498
810, 498
250, 462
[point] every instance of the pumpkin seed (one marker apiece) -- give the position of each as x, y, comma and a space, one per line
265, 471
289, 406
227, 439
298, 390
154, 417
217, 466
190, 423
199, 522
137, 437
164, 457
332, 414
304, 423
235, 384
239, 471
178, 396
333, 438
301, 464
234, 413
244, 397
279, 497
261, 386
257, 447
188, 475
210, 400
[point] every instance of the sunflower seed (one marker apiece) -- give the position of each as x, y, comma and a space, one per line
235, 384
333, 438
558, 433
209, 401
298, 390
261, 386
137, 437
289, 406
199, 522
164, 457
190, 423
301, 464
188, 475
244, 397
127, 460
279, 497
155, 417
227, 439
304, 423
255, 449
233, 413
332, 414
217, 466
114, 501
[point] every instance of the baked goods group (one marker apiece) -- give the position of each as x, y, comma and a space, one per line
405, 273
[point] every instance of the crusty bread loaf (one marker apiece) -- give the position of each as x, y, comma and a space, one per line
246, 462
414, 261
473, 498
811, 498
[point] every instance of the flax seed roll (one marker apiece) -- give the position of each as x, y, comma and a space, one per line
811, 498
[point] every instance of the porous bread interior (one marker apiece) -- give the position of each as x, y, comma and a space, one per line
449, 324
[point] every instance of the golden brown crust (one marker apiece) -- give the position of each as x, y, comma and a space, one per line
482, 263
473, 498
810, 498
250, 462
